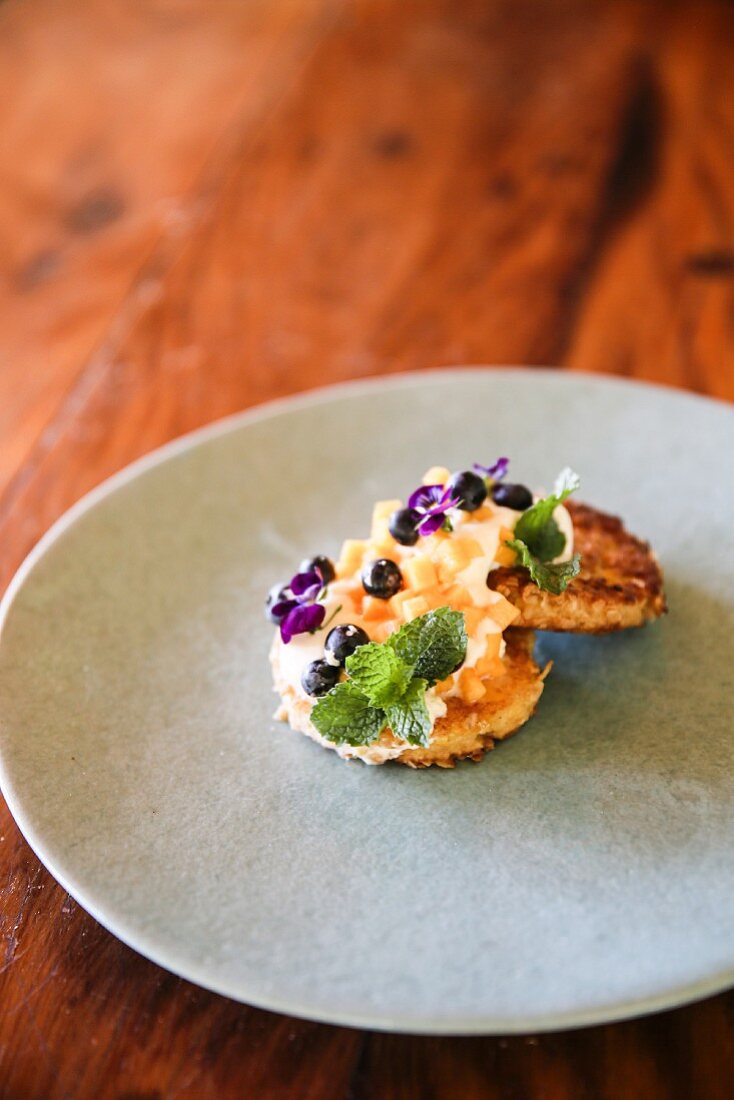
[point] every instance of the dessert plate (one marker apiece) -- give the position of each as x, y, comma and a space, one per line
581, 873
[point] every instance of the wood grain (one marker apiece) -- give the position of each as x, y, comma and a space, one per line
118, 121
218, 203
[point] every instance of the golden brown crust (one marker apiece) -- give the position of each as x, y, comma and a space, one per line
620, 584
464, 731
467, 732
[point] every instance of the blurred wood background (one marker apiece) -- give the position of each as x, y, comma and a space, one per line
208, 203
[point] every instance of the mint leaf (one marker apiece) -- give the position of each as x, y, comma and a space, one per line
379, 673
551, 577
388, 681
409, 719
345, 716
431, 645
538, 529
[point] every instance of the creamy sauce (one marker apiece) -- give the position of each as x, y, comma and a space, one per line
305, 648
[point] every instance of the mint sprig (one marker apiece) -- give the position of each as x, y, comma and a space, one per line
345, 716
379, 673
387, 682
550, 576
538, 539
431, 645
409, 719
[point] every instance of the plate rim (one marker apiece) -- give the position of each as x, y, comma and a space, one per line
675, 997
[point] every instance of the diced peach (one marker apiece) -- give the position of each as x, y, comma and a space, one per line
445, 685
435, 597
482, 514
379, 535
505, 555
503, 612
472, 618
432, 543
491, 667
451, 559
381, 631
380, 548
437, 475
419, 572
380, 518
487, 663
383, 509
452, 550
468, 545
350, 558
396, 602
354, 597
471, 688
374, 609
414, 607
457, 596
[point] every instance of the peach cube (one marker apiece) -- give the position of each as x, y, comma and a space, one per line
472, 618
380, 517
419, 572
482, 514
396, 602
350, 558
457, 596
437, 475
433, 543
468, 546
445, 685
380, 548
491, 667
383, 509
374, 610
503, 612
452, 558
414, 607
381, 631
505, 555
435, 597
471, 688
490, 663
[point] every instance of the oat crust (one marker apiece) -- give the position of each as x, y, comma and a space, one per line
620, 584
465, 732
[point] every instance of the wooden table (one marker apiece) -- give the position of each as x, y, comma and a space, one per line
208, 203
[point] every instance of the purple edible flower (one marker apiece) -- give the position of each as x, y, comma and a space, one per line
306, 585
433, 502
300, 612
496, 472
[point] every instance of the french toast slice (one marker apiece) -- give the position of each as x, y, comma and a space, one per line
620, 584
465, 731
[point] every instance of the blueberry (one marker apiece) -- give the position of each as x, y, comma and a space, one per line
342, 641
470, 489
382, 578
276, 595
403, 526
507, 495
319, 677
321, 565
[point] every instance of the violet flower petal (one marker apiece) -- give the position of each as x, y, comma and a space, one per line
496, 471
302, 620
301, 583
426, 496
431, 524
282, 608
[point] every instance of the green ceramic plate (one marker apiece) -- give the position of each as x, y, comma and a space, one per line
582, 872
